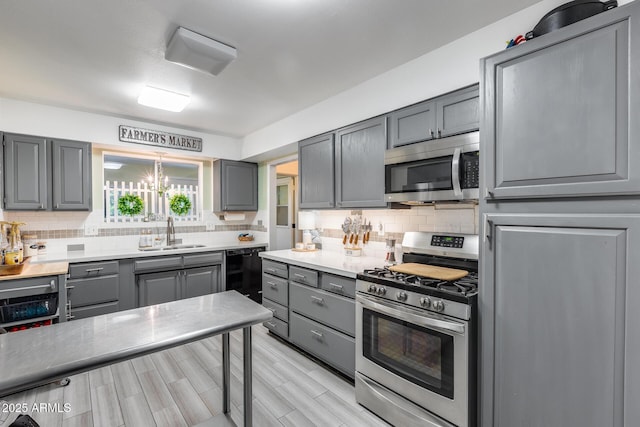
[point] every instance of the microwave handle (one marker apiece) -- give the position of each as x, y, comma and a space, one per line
455, 173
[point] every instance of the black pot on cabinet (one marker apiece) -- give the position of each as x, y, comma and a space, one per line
567, 14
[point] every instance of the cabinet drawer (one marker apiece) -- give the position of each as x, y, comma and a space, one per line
203, 259
303, 275
94, 310
275, 268
331, 346
159, 263
275, 289
277, 326
335, 311
279, 311
92, 269
93, 290
338, 284
27, 287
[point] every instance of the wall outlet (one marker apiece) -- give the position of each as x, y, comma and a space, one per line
209, 226
90, 230
380, 229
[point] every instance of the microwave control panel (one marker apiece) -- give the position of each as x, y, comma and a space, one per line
470, 170
447, 241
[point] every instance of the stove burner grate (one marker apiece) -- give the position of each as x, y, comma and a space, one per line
466, 286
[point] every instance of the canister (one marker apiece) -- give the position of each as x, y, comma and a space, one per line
30, 244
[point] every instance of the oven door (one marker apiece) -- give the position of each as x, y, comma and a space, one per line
422, 356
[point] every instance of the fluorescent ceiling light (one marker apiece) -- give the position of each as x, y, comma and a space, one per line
112, 165
163, 99
196, 51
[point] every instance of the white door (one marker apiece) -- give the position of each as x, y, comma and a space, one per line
285, 213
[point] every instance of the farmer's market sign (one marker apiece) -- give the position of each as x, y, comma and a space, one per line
159, 139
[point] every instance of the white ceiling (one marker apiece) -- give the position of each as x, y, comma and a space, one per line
96, 55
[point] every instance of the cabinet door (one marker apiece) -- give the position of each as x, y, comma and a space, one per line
71, 175
239, 186
458, 112
201, 281
156, 288
360, 164
26, 172
558, 111
316, 172
412, 124
557, 295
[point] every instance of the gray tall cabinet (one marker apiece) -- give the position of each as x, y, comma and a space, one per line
560, 212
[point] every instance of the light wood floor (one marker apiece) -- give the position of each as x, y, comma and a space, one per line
182, 387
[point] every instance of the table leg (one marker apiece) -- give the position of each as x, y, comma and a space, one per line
226, 375
248, 374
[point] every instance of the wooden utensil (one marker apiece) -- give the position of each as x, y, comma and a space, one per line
435, 272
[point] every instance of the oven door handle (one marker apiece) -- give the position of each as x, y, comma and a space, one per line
455, 173
409, 315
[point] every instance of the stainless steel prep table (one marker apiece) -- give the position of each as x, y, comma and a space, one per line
39, 356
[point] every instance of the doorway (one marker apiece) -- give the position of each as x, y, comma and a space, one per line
286, 206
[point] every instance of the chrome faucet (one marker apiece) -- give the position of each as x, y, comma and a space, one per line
171, 231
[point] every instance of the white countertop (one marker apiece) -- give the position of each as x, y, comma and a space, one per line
96, 253
327, 261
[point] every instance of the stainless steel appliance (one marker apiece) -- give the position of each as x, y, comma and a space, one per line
436, 170
416, 337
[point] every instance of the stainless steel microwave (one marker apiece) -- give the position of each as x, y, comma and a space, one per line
437, 170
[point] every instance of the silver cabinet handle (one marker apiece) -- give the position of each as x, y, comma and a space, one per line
272, 285
52, 284
317, 334
302, 276
335, 285
439, 133
41, 205
431, 132
57, 205
270, 270
70, 287
91, 270
273, 325
273, 310
317, 300
69, 315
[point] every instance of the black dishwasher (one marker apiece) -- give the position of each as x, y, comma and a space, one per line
244, 272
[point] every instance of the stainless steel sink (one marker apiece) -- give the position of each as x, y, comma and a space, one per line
170, 248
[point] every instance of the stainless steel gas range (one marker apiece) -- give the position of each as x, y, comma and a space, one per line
416, 337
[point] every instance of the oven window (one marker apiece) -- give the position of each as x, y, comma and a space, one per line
422, 356
422, 175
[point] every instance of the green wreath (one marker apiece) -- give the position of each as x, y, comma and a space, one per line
179, 204
130, 204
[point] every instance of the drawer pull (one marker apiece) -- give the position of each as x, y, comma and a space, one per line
270, 270
273, 310
302, 276
272, 285
69, 287
92, 270
317, 300
51, 285
335, 285
273, 325
317, 334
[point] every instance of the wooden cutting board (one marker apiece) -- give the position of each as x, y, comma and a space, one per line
441, 273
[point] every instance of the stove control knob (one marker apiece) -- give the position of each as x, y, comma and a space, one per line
381, 291
425, 302
372, 288
438, 305
401, 296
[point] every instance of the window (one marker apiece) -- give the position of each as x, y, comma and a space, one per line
155, 181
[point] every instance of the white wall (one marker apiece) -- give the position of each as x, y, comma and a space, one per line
445, 69
37, 119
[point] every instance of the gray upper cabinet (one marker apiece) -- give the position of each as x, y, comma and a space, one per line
458, 112
412, 124
43, 174
359, 161
558, 111
316, 169
235, 186
26, 171
557, 317
454, 113
71, 175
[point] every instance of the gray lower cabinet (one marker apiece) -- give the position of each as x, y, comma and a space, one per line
359, 151
332, 310
558, 346
46, 174
560, 111
454, 113
235, 186
201, 281
93, 288
275, 296
316, 171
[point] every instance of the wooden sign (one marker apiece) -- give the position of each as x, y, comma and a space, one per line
159, 139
